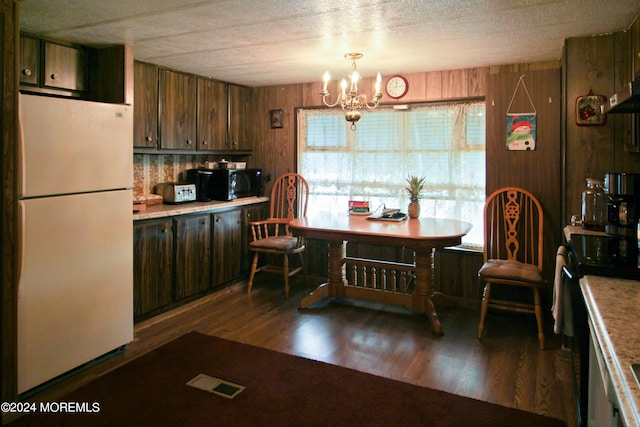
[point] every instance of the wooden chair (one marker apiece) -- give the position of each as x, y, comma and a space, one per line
272, 236
513, 226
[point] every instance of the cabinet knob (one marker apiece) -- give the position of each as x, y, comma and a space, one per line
189, 142
54, 76
149, 138
26, 72
204, 142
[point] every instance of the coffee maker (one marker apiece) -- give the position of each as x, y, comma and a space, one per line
623, 205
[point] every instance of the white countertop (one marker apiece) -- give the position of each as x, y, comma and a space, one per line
162, 210
614, 310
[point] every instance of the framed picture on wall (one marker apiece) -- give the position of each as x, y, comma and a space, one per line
275, 118
589, 110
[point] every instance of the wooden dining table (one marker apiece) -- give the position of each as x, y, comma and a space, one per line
422, 236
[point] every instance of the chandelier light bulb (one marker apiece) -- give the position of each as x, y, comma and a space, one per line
354, 82
378, 83
326, 79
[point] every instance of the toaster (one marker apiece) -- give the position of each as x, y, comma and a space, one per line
176, 192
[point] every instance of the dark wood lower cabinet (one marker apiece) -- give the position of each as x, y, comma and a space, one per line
193, 255
227, 246
179, 258
152, 265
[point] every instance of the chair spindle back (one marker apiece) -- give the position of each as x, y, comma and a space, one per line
513, 226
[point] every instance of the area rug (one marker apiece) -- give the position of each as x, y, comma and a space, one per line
280, 390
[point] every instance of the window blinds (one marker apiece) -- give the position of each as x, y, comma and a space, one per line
443, 142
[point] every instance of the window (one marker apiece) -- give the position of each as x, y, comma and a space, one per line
443, 142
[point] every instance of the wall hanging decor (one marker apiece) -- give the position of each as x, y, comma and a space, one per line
521, 127
589, 110
275, 117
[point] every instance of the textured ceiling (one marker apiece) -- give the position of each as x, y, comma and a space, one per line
268, 42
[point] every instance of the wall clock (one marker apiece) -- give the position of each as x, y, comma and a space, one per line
397, 87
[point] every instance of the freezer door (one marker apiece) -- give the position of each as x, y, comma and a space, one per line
75, 295
71, 146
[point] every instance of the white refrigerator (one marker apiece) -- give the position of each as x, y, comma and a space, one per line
75, 290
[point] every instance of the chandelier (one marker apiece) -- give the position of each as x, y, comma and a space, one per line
351, 101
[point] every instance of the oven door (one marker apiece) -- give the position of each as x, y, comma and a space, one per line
580, 339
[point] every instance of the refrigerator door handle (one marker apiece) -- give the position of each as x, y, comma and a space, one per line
20, 245
21, 154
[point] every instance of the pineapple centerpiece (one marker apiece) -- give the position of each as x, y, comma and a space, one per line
414, 190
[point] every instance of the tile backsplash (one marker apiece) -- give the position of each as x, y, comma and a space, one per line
151, 169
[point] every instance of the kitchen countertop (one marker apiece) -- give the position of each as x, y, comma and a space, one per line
163, 210
614, 310
576, 229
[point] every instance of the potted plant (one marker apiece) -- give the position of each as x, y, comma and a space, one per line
414, 190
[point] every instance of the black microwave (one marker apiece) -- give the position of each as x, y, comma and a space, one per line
226, 184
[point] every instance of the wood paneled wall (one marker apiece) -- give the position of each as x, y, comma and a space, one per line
274, 149
602, 64
539, 171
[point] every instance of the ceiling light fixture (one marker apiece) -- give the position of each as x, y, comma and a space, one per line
350, 101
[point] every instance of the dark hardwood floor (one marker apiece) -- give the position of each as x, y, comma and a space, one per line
505, 367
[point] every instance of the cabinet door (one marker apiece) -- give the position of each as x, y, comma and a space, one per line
152, 266
29, 60
239, 111
250, 213
212, 115
177, 110
145, 105
227, 246
65, 67
193, 255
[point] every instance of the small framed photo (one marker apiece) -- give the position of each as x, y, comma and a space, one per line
589, 110
275, 118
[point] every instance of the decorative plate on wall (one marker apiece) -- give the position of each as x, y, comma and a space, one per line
589, 110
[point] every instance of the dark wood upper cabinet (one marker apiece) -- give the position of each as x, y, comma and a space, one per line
239, 110
178, 95
212, 115
102, 74
191, 113
65, 67
29, 61
145, 107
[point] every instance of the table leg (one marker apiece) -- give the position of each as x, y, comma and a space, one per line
337, 276
423, 295
337, 268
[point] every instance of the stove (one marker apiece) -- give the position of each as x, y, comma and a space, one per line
605, 255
